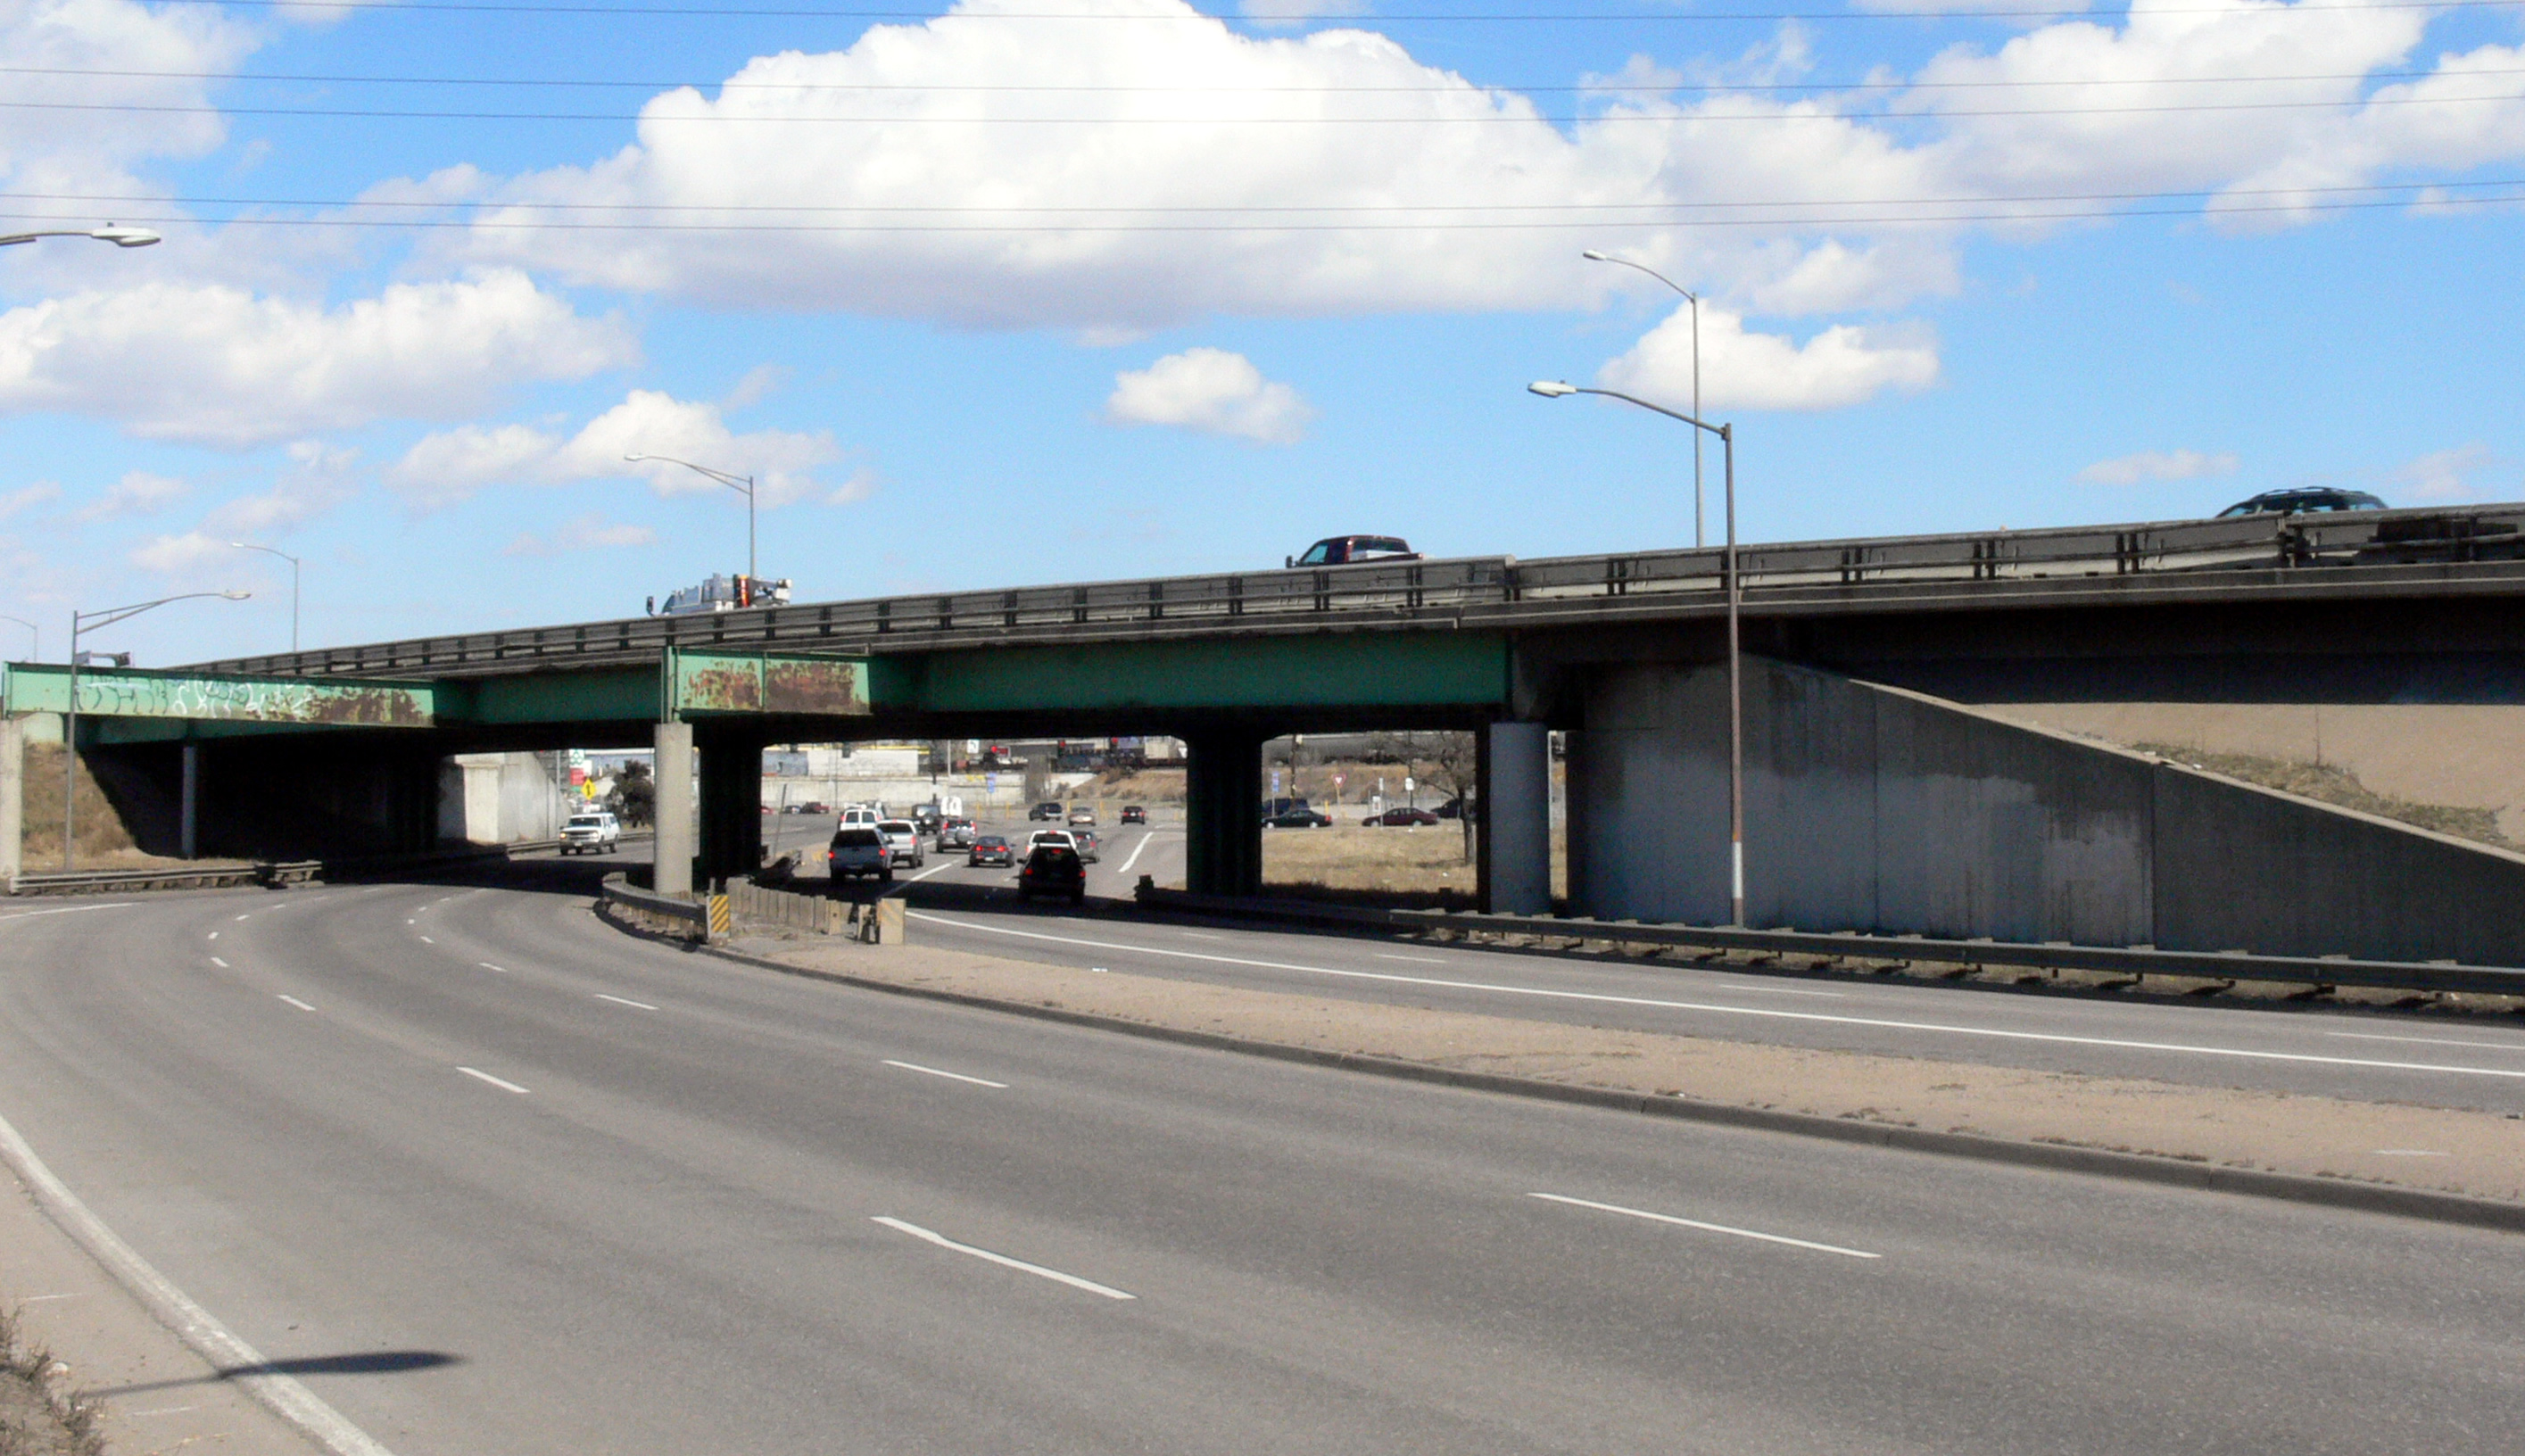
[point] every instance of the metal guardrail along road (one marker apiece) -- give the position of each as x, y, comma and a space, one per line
2479, 546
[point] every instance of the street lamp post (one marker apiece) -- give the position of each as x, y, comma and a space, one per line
741, 484
1692, 299
88, 622
1726, 433
36, 640
293, 584
121, 237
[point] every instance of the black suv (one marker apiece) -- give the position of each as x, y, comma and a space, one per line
1053, 869
1047, 810
2302, 499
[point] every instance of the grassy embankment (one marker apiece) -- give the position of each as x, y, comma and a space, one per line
2334, 785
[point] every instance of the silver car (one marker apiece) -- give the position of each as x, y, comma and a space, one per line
904, 838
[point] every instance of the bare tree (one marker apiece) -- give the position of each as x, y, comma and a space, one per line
1449, 761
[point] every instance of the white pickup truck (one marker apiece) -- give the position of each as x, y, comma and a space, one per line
592, 833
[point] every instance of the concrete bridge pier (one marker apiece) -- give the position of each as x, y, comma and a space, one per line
731, 801
672, 809
1515, 834
13, 800
1223, 812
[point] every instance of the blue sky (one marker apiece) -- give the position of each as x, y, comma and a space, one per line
1038, 290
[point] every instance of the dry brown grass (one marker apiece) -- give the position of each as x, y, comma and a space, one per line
103, 842
37, 1418
2328, 785
1349, 857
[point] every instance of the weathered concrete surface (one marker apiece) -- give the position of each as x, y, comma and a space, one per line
2470, 755
1515, 826
675, 808
1877, 808
498, 799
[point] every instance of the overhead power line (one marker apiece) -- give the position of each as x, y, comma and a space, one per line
1484, 118
1603, 88
2408, 193
1467, 226
464, 7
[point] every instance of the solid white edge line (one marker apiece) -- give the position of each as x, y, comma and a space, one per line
951, 1075
620, 1001
1668, 1217
119, 905
1055, 1274
2429, 1040
295, 1001
494, 1081
198, 1328
2057, 1039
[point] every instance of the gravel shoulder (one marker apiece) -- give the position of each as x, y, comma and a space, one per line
2476, 1154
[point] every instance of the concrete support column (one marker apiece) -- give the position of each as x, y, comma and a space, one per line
188, 812
1516, 799
1223, 813
674, 774
731, 804
13, 800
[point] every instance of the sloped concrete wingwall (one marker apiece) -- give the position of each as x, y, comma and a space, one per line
1879, 809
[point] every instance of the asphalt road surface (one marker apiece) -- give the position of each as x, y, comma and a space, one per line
2433, 1061
516, 1183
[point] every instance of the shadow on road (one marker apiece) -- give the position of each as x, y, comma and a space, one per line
372, 1362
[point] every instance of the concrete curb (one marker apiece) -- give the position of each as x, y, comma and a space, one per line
2293, 1188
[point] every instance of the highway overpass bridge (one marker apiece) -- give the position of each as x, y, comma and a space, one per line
1881, 798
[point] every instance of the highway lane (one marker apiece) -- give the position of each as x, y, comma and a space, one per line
633, 1198
2332, 1051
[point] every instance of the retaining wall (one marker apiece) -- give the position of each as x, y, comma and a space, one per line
1880, 810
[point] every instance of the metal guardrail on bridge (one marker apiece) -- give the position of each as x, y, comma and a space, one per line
1499, 591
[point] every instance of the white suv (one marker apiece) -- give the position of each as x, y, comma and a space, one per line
592, 833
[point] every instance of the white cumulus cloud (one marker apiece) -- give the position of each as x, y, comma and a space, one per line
2158, 465
1213, 390
1842, 366
220, 365
454, 465
588, 532
137, 493
2447, 475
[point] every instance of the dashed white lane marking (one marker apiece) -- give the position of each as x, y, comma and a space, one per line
295, 1001
215, 935
950, 1076
494, 1081
46, 1298
197, 1326
486, 965
620, 1001
2411, 1153
1687, 1223
1003, 1260
942, 864
426, 940
411, 922
1135, 852
221, 965
240, 917
2429, 1040
2055, 1038
119, 905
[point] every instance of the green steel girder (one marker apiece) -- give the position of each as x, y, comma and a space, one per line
298, 703
1400, 669
1231, 675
